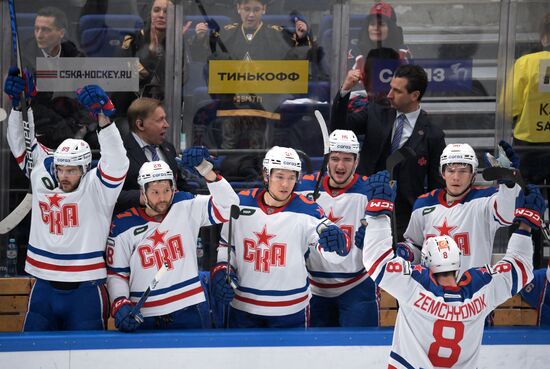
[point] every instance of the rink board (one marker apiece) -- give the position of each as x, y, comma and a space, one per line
248, 349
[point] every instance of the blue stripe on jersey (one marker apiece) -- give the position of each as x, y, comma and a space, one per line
48, 165
299, 205
118, 270
380, 275
107, 184
335, 275
395, 356
161, 291
309, 184
210, 217
514, 280
182, 196
249, 199
126, 220
429, 199
273, 292
477, 193
51, 255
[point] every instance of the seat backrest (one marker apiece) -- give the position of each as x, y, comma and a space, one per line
103, 42
25, 20
110, 21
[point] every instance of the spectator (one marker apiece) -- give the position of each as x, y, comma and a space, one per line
380, 64
537, 295
146, 142
245, 116
387, 128
72, 207
134, 256
380, 30
271, 239
343, 294
56, 117
149, 45
532, 116
470, 215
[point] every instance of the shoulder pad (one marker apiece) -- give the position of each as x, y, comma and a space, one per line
231, 26
128, 39
276, 28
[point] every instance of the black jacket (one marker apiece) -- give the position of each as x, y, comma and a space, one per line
415, 176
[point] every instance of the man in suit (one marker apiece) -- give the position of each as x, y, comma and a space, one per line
391, 124
146, 142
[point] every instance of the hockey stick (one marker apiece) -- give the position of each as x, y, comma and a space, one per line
17, 215
233, 214
392, 161
326, 151
209, 20
135, 311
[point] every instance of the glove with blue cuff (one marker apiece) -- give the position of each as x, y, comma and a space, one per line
121, 310
380, 194
333, 239
530, 208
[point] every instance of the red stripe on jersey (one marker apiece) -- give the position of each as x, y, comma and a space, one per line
125, 277
391, 366
271, 303
502, 220
523, 273
179, 296
65, 268
377, 263
217, 213
106, 176
19, 159
336, 285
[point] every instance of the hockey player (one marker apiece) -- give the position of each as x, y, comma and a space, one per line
537, 295
469, 215
342, 294
273, 236
72, 207
164, 231
440, 319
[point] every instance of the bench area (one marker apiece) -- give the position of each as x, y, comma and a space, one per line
14, 298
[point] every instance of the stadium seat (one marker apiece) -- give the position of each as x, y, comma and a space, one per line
103, 42
25, 20
129, 21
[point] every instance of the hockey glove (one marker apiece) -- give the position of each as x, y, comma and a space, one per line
507, 158
404, 250
15, 85
124, 321
380, 194
530, 208
332, 239
222, 290
95, 100
196, 158
360, 236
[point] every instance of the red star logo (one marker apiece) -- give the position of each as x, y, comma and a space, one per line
445, 229
418, 268
55, 200
333, 218
264, 237
157, 237
422, 161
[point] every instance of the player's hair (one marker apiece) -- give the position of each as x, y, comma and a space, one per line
60, 19
264, 2
141, 108
417, 79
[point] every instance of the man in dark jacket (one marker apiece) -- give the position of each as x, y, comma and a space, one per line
146, 142
389, 125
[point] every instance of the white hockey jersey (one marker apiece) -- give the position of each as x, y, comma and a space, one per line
471, 221
344, 207
270, 247
138, 246
69, 229
442, 327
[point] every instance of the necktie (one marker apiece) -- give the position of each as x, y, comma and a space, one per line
153, 150
396, 140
